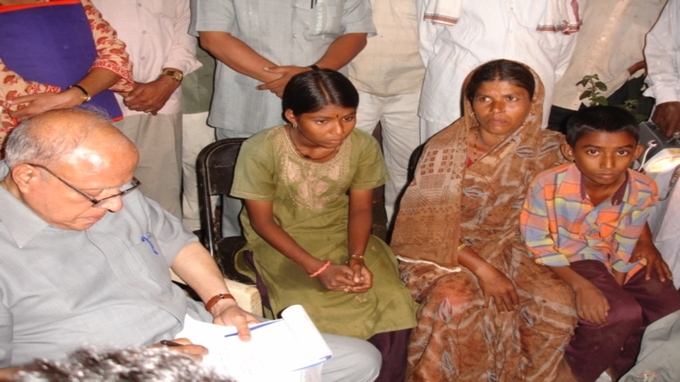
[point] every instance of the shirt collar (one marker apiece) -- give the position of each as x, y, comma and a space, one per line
625, 193
20, 221
617, 198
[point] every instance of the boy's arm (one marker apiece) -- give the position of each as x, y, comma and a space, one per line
591, 304
535, 224
620, 277
536, 220
645, 249
634, 241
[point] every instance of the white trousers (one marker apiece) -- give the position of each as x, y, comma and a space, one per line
159, 141
196, 134
353, 360
429, 128
398, 117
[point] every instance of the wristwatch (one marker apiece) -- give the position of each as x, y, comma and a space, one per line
175, 74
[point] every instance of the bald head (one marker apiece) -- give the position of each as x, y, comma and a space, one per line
69, 136
63, 160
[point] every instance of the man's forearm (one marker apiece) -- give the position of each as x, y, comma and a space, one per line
342, 51
237, 55
198, 269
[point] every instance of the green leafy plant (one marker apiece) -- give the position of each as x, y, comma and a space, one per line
593, 88
593, 95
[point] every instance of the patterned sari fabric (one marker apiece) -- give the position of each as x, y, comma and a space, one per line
457, 338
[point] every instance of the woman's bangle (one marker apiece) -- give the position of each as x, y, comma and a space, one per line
322, 268
355, 256
86, 95
461, 247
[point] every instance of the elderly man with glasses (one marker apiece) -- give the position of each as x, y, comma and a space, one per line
85, 258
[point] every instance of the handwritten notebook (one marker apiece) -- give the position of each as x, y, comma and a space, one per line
288, 349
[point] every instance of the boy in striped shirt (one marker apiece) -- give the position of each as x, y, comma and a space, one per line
583, 220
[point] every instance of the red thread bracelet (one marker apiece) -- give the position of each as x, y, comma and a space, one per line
215, 299
322, 268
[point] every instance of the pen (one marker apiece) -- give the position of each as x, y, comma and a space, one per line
170, 343
253, 327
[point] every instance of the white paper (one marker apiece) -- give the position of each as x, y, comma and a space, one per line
280, 350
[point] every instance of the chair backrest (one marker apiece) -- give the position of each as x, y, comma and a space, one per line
215, 174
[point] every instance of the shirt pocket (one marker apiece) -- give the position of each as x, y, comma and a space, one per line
161, 9
322, 19
146, 260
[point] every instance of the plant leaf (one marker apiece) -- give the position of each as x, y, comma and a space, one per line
600, 101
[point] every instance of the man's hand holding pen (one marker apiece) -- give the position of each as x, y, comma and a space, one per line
183, 345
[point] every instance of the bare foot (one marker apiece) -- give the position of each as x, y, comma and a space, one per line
564, 373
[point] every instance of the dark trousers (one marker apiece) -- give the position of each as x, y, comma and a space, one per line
633, 306
394, 347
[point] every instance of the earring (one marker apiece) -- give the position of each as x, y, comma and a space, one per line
294, 125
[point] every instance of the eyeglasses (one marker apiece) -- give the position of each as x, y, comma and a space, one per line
134, 183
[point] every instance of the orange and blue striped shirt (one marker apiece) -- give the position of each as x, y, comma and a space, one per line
560, 225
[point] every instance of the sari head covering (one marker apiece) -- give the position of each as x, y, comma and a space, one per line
433, 220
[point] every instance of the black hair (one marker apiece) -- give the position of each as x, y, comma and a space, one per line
610, 119
311, 91
501, 70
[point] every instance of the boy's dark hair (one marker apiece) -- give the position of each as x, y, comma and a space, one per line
311, 91
501, 70
609, 119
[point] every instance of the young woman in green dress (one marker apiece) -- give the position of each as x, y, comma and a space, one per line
308, 192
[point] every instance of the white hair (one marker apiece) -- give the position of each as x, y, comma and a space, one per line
26, 144
138, 364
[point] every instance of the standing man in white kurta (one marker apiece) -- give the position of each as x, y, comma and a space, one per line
162, 52
388, 74
456, 36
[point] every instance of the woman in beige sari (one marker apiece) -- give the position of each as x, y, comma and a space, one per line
488, 312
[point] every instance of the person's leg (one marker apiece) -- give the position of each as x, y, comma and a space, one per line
231, 207
353, 360
547, 318
196, 134
658, 353
657, 299
595, 348
369, 112
393, 347
457, 338
159, 141
430, 128
401, 135
558, 118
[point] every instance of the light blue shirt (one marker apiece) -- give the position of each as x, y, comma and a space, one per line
108, 285
284, 32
